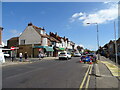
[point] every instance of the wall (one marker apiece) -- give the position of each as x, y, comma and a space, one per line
12, 43
29, 33
25, 48
44, 42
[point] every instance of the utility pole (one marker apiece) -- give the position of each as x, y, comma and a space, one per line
97, 39
115, 43
98, 42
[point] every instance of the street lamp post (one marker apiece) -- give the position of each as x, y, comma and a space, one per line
115, 43
97, 39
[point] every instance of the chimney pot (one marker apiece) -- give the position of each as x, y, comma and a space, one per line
30, 24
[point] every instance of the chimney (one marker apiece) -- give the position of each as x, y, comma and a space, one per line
50, 34
67, 39
56, 33
1, 29
43, 28
30, 24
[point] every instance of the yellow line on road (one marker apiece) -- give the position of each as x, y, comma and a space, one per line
81, 86
113, 68
87, 83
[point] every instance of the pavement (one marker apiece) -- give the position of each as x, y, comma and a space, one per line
107, 74
28, 61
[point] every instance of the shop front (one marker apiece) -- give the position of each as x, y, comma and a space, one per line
46, 50
57, 51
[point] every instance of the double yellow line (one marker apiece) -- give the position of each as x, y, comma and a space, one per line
89, 70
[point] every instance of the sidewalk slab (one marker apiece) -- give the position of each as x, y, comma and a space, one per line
106, 80
113, 68
109, 74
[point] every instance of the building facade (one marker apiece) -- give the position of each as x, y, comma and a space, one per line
13, 42
34, 40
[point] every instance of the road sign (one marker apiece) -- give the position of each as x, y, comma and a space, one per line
12, 48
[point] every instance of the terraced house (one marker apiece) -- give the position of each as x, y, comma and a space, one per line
35, 40
64, 44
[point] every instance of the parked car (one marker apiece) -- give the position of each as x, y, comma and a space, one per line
77, 54
64, 55
6, 55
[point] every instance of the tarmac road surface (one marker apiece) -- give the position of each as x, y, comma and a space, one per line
45, 74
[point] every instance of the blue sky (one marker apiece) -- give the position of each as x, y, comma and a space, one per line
68, 19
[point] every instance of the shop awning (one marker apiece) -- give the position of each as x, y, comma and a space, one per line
48, 48
38, 46
61, 48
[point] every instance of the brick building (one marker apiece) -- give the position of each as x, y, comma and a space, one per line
13, 42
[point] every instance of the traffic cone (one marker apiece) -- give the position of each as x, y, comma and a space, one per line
80, 61
90, 62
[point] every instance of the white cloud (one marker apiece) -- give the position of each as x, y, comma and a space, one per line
75, 16
100, 17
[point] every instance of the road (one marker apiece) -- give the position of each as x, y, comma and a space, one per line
45, 74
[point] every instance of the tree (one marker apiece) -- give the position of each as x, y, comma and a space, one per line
79, 48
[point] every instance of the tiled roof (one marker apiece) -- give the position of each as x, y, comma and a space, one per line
35, 27
56, 39
52, 38
14, 38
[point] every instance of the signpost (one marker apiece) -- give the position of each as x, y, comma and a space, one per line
12, 48
12, 53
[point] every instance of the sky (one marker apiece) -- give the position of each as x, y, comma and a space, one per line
66, 18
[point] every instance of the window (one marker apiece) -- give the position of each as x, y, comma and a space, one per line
22, 42
53, 43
